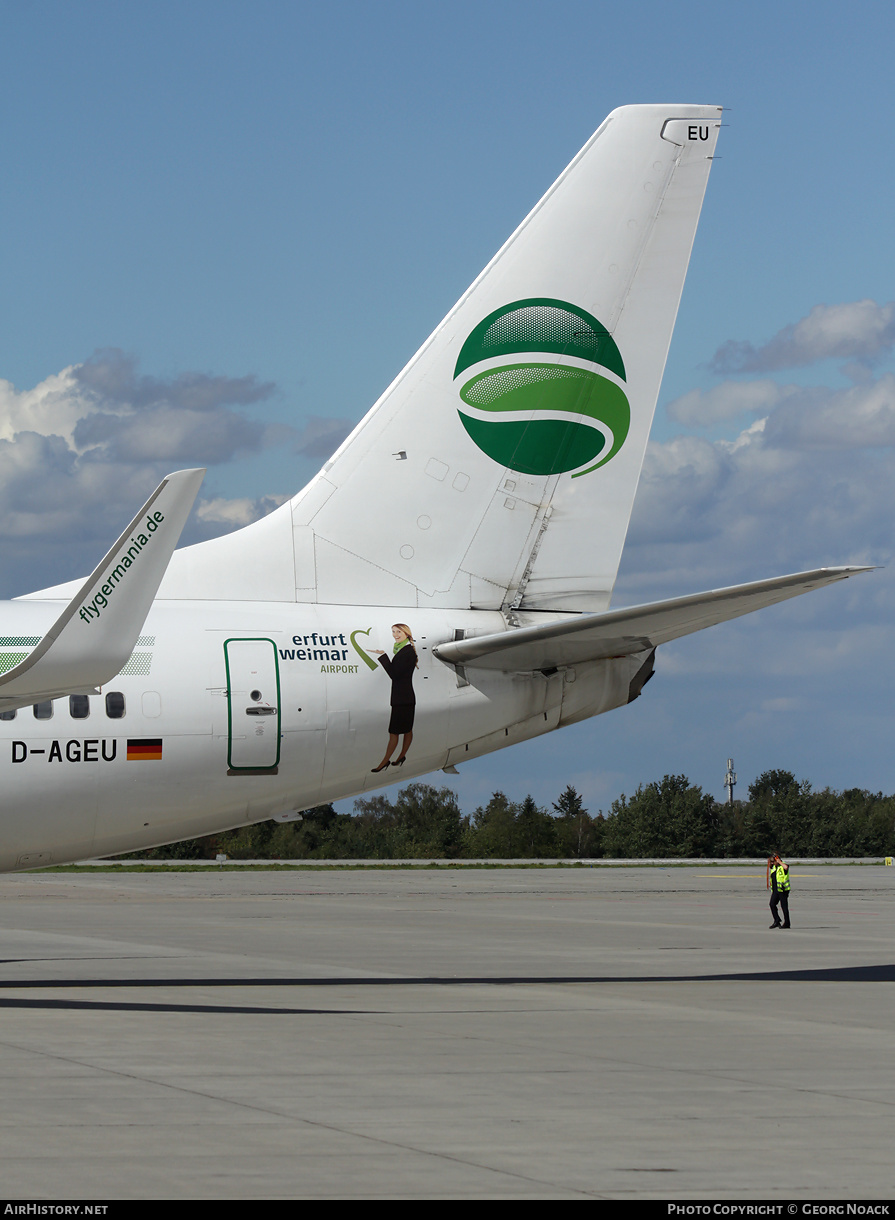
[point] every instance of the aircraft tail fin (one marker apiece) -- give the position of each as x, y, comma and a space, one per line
498, 470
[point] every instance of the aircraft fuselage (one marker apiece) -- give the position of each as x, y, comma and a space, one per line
230, 713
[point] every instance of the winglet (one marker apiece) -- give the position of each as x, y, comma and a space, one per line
94, 636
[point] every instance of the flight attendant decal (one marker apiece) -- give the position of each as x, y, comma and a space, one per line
403, 701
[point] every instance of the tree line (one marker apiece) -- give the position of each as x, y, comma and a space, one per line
667, 818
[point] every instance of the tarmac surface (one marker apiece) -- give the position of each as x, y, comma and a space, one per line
514, 1033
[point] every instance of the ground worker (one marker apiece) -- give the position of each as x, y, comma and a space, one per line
779, 880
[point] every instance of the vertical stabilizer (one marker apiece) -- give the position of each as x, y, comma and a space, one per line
498, 470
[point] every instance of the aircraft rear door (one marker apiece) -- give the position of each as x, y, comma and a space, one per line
253, 705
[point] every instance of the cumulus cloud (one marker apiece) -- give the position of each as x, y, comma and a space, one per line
856, 331
36, 473
104, 403
861, 416
858, 417
188, 418
805, 479
79, 451
709, 514
809, 482
238, 512
111, 375
702, 408
679, 486
167, 434
52, 408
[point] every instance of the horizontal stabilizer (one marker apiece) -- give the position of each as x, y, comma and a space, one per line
617, 633
93, 638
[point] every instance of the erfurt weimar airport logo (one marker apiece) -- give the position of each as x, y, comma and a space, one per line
547, 416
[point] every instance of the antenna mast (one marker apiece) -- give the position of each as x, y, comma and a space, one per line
730, 780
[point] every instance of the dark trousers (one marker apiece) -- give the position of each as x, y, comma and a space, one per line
783, 900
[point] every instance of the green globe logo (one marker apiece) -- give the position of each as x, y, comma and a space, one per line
541, 417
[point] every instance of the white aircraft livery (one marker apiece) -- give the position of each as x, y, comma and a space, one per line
439, 590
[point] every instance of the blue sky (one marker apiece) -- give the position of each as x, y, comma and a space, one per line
239, 221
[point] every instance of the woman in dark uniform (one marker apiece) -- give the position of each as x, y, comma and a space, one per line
403, 701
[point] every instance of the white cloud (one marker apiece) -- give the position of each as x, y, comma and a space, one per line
702, 408
862, 416
856, 330
238, 512
52, 408
806, 480
111, 376
81, 449
712, 514
104, 404
859, 416
807, 483
169, 434
680, 481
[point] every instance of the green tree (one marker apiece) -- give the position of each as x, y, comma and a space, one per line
493, 829
422, 821
535, 831
779, 814
431, 819
577, 833
307, 839
666, 819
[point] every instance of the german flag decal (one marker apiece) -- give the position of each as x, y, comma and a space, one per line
144, 749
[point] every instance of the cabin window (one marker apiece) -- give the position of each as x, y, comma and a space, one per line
79, 706
44, 711
115, 705
8, 715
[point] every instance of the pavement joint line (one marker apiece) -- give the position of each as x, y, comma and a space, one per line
301, 1121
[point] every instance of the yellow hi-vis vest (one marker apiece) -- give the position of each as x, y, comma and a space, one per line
782, 878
